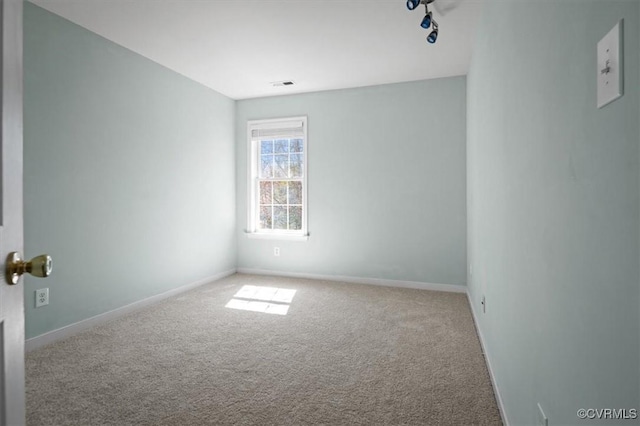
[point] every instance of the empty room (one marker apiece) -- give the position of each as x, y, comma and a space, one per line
303, 212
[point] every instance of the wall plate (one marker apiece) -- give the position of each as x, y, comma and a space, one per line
610, 66
42, 297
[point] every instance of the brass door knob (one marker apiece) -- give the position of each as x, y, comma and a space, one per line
39, 266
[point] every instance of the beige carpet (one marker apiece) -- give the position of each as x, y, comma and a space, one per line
344, 354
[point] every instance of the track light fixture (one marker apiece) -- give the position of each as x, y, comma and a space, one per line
412, 4
433, 36
427, 21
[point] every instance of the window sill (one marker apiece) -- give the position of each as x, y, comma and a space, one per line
281, 237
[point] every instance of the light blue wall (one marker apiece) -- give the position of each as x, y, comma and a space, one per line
386, 183
553, 208
129, 174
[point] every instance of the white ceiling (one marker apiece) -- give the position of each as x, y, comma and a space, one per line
238, 47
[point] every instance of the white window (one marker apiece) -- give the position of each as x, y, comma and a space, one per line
278, 178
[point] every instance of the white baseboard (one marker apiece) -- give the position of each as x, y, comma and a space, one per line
71, 329
496, 390
453, 288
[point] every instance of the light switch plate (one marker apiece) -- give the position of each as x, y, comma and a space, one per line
610, 66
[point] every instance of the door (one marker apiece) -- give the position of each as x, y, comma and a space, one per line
12, 396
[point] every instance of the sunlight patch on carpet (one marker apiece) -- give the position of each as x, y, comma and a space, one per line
268, 300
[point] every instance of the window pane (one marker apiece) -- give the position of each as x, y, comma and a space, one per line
266, 166
296, 145
296, 165
266, 218
279, 218
281, 166
295, 218
282, 145
279, 192
266, 147
265, 193
295, 192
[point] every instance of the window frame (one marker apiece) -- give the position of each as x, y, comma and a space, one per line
253, 162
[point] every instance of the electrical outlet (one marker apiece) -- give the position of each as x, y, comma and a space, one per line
483, 302
470, 270
276, 251
42, 297
542, 418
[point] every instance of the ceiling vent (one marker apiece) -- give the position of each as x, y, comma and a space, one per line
282, 83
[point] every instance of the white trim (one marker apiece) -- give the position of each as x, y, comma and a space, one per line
496, 390
275, 236
252, 169
452, 288
75, 328
280, 123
